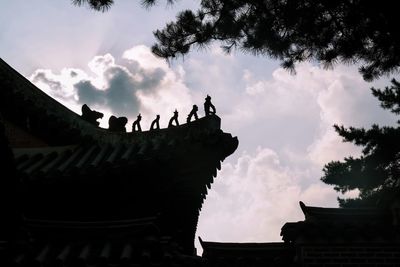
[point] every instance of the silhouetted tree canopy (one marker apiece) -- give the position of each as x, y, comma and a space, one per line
376, 173
328, 31
99, 5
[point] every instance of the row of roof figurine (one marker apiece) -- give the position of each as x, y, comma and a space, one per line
118, 124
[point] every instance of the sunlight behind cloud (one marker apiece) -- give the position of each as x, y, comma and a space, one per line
142, 54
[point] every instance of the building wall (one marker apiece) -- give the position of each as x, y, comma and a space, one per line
348, 255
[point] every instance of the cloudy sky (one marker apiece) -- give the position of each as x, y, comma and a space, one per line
283, 121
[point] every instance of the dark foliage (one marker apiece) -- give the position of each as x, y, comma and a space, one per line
99, 5
376, 173
328, 31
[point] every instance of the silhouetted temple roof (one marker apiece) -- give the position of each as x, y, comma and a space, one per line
23, 103
341, 225
231, 248
343, 215
247, 254
94, 156
84, 228
74, 175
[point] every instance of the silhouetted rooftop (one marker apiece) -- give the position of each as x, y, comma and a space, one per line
341, 225
242, 254
75, 177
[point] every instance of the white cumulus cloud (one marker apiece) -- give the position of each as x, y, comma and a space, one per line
141, 83
253, 197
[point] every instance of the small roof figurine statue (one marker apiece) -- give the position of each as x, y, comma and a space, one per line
117, 124
208, 105
193, 113
174, 119
136, 123
155, 125
91, 115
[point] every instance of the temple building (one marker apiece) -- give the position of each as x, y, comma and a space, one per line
86, 195
74, 194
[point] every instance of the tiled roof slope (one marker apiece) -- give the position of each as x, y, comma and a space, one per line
93, 156
75, 145
111, 243
25, 105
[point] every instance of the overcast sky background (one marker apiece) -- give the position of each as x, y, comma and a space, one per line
283, 121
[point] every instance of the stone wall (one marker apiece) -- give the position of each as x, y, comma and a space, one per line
385, 255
